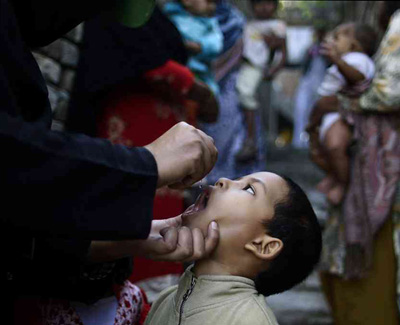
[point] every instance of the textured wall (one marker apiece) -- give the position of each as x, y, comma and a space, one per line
58, 62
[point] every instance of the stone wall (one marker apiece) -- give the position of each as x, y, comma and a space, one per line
58, 62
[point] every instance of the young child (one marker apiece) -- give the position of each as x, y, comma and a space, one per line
351, 73
262, 37
201, 33
270, 240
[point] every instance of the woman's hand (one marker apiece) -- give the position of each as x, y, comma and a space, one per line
272, 41
167, 241
184, 155
206, 101
193, 47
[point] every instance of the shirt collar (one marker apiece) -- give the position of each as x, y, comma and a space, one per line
207, 290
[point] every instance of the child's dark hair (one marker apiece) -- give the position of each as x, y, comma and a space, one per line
295, 223
276, 2
367, 37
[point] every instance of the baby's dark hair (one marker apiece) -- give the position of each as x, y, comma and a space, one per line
390, 8
295, 223
367, 37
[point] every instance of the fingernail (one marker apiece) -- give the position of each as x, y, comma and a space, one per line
214, 225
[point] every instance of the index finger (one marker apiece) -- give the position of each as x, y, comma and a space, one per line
210, 144
210, 158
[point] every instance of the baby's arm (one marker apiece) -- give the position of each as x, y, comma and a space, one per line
280, 45
212, 43
350, 73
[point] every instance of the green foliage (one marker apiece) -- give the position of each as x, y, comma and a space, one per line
317, 13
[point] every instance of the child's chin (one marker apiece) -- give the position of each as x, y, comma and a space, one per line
193, 220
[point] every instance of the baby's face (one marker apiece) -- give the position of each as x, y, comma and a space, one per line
239, 207
343, 38
200, 7
264, 9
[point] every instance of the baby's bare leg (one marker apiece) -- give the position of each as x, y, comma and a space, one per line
336, 142
317, 153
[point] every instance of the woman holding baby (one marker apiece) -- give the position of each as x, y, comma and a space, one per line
361, 241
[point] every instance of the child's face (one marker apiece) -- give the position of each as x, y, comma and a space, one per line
239, 207
264, 9
344, 39
200, 7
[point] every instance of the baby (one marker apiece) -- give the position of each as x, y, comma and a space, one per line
201, 33
263, 36
351, 73
270, 240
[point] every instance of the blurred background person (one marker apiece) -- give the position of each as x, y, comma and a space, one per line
361, 240
350, 51
195, 20
228, 129
263, 37
314, 68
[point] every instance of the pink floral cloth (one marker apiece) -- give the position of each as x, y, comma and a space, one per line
375, 172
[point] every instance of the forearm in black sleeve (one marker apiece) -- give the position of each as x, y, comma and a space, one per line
72, 185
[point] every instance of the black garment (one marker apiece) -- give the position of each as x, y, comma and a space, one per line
58, 185
112, 56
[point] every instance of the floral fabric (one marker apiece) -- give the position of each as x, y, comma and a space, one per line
132, 308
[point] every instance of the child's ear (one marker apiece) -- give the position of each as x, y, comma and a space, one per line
265, 247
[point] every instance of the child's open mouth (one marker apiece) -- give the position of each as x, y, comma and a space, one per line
200, 204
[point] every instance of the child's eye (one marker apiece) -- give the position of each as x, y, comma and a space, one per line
250, 189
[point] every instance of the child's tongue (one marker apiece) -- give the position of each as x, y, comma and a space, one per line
199, 205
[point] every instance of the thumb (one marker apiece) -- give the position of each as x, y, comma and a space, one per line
212, 238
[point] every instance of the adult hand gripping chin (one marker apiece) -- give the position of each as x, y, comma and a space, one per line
184, 155
169, 241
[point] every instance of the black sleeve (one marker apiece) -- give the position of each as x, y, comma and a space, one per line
58, 184
43, 21
60, 270
73, 185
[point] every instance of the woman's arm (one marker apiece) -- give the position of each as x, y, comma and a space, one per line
280, 45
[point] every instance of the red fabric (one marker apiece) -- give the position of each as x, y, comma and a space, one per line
179, 77
137, 116
145, 308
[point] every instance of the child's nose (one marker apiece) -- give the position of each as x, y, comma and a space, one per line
222, 183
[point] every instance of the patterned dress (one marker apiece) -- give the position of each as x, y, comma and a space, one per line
229, 131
